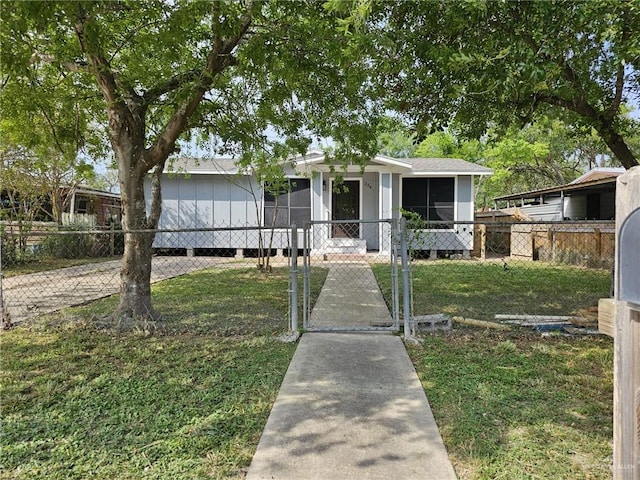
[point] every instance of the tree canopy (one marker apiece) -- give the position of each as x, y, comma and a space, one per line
484, 64
155, 72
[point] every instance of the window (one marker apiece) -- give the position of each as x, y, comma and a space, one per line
293, 205
431, 198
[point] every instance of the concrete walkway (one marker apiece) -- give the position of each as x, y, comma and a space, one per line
350, 297
350, 407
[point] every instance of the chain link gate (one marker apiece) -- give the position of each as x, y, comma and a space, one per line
360, 261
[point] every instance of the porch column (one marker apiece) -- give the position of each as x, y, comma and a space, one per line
72, 208
385, 211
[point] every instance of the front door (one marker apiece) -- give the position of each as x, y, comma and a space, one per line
345, 205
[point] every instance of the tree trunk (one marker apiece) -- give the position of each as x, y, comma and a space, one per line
135, 272
135, 283
135, 308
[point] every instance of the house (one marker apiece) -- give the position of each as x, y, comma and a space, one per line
92, 207
589, 197
570, 223
213, 193
81, 206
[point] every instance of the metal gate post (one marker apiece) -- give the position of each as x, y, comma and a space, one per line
305, 274
294, 278
395, 285
405, 277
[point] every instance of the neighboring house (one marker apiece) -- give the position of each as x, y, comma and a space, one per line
82, 205
93, 207
211, 193
589, 197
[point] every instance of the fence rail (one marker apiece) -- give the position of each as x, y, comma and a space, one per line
472, 269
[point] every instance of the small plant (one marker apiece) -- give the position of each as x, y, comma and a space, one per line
76, 245
418, 236
8, 248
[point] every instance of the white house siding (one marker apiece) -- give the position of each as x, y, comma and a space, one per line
209, 198
464, 198
465, 206
371, 209
209, 201
386, 207
395, 197
575, 207
549, 211
316, 196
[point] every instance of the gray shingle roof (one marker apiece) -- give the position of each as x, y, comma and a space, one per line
419, 166
446, 166
202, 165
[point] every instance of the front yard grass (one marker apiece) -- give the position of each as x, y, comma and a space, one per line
479, 290
81, 402
515, 405
520, 406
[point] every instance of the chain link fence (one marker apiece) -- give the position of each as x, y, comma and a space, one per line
346, 251
545, 275
47, 271
529, 273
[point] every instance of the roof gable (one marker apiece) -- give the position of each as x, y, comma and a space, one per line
598, 173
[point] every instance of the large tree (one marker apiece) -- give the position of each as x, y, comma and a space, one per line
162, 68
489, 63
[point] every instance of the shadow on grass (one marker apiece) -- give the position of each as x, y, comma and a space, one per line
480, 290
79, 402
216, 301
517, 405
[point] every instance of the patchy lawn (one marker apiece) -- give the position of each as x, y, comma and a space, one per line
515, 405
479, 290
521, 406
80, 402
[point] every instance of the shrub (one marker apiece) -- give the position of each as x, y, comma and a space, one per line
64, 245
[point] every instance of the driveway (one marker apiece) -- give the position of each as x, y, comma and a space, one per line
27, 296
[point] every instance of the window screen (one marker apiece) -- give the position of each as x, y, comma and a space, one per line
293, 205
431, 198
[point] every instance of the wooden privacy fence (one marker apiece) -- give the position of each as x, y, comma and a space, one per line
587, 244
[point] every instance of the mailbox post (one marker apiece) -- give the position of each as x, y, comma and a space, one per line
626, 389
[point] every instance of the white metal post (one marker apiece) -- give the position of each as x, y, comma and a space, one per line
294, 278
394, 273
305, 274
405, 277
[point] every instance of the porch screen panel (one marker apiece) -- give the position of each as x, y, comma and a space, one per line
414, 195
441, 199
300, 202
278, 206
431, 198
293, 206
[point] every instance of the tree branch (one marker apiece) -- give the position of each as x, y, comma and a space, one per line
99, 66
121, 118
617, 99
156, 196
171, 84
602, 124
219, 58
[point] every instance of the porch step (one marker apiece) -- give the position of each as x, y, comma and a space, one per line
356, 246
